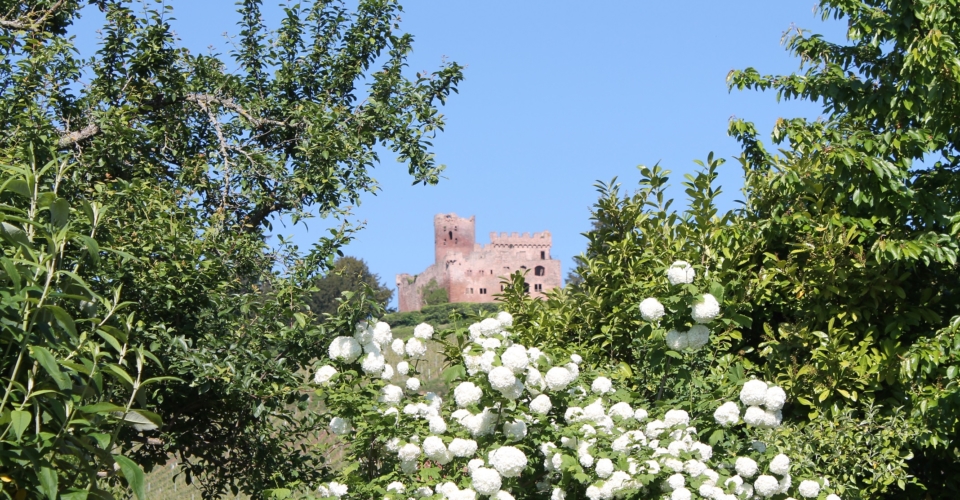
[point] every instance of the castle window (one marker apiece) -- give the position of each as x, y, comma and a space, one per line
481, 272
450, 233
543, 255
538, 287
491, 272
483, 291
501, 288
469, 290
469, 272
539, 271
526, 288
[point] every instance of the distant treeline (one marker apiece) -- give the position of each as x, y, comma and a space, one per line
439, 314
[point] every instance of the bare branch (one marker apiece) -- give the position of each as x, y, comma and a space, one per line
71, 138
31, 24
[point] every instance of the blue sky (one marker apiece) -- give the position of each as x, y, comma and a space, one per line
557, 95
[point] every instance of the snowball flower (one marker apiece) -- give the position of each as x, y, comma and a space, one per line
680, 273
621, 410
774, 398
753, 393
694, 467
558, 378
345, 348
677, 340
387, 372
832, 497
501, 378
334, 489
486, 481
413, 384
602, 385
675, 481
503, 495
771, 419
508, 461
680, 494
324, 374
463, 447
403, 368
437, 424
558, 494
706, 309
780, 465
604, 467
423, 331
755, 416
746, 467
340, 426
809, 489
363, 332
382, 334
373, 364
466, 394
576, 358
396, 487
640, 414
408, 452
391, 394
489, 326
415, 348
515, 430
505, 318
515, 358
397, 347
434, 448
651, 309
728, 414
541, 404
766, 486
697, 337
534, 354
676, 417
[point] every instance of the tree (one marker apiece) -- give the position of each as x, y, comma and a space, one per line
434, 294
348, 274
838, 278
144, 179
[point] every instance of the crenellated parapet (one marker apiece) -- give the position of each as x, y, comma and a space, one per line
513, 240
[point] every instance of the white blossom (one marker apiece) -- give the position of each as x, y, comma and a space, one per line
601, 385
680, 273
621, 410
363, 333
345, 348
697, 337
755, 416
382, 334
486, 481
505, 318
640, 414
503, 495
403, 368
774, 398
766, 486
680, 494
501, 378
809, 489
651, 309
508, 461
576, 358
694, 467
728, 414
437, 424
463, 447
534, 354
746, 467
515, 358
753, 393
604, 468
489, 326
408, 452
387, 372
558, 494
466, 394
413, 384
396, 487
780, 465
676, 417
324, 374
677, 340
558, 378
435, 450
832, 497
534, 381
541, 404
340, 426
373, 364
391, 394
415, 348
423, 331
676, 481
515, 430
706, 309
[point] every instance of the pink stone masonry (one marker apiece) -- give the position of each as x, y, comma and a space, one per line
470, 272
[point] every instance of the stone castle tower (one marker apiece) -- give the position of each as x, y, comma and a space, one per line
470, 272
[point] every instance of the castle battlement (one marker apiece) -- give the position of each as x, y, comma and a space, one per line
541, 239
471, 272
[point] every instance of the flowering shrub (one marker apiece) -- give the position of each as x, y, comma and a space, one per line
525, 423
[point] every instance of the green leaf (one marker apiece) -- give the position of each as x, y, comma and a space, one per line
102, 407
715, 437
141, 420
454, 373
48, 482
63, 318
12, 274
14, 234
49, 363
277, 493
60, 212
674, 354
19, 420
133, 474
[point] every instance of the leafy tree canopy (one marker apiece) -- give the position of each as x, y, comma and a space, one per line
349, 274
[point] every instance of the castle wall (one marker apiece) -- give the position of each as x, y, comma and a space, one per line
472, 273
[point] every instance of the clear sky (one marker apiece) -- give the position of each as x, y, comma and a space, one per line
557, 95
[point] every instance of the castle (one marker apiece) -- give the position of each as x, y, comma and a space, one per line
471, 272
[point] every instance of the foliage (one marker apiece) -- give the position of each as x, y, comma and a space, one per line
189, 163
440, 314
840, 275
348, 274
525, 423
434, 294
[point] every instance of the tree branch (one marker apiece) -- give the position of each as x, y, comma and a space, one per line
31, 25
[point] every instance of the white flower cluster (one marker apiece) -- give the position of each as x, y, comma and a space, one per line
763, 406
704, 310
611, 448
